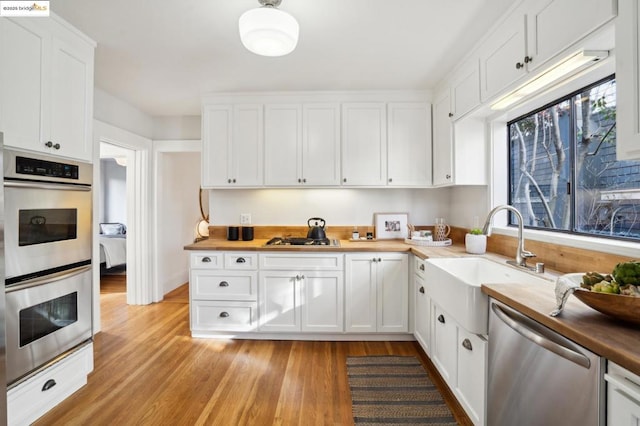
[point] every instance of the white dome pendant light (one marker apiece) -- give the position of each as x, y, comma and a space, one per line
268, 31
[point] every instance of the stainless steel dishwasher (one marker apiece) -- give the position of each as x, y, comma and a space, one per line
538, 377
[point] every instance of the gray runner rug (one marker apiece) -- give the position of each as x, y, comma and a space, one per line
394, 390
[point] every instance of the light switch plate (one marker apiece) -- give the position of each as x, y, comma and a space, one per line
245, 218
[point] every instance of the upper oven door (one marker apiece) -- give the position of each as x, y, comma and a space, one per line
47, 226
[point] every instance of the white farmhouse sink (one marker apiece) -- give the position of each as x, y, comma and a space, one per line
454, 284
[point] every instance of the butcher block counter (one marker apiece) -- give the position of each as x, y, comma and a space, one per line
597, 332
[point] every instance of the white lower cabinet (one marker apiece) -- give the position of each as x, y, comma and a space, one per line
377, 292
32, 398
297, 297
461, 359
422, 308
623, 396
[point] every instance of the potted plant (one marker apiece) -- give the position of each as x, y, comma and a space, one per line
475, 241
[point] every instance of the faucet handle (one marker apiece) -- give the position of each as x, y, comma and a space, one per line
527, 254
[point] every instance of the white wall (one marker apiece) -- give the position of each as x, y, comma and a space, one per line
177, 128
113, 200
113, 111
336, 206
177, 215
466, 203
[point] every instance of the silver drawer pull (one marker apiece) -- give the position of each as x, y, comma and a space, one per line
240, 260
224, 284
441, 318
48, 385
224, 314
466, 343
421, 289
422, 267
206, 259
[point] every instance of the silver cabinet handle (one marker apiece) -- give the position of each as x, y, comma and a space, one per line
224, 314
224, 284
466, 343
422, 267
421, 289
240, 260
517, 322
206, 259
49, 144
46, 185
441, 318
58, 276
56, 146
48, 385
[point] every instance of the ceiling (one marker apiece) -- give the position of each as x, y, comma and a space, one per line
162, 55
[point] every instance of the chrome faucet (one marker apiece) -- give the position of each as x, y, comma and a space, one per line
521, 254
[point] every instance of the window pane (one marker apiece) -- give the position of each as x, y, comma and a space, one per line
540, 167
607, 191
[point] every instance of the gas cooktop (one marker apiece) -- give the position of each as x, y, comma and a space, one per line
300, 241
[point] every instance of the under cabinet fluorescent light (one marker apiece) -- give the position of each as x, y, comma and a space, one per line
569, 65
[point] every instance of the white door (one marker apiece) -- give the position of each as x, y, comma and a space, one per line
360, 292
322, 302
409, 144
279, 297
444, 345
422, 313
247, 146
216, 135
25, 53
471, 375
321, 144
442, 141
282, 143
364, 144
393, 294
465, 88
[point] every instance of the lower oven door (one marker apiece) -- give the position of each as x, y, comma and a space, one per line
46, 317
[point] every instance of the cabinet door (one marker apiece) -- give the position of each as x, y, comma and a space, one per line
444, 345
628, 80
72, 99
24, 49
549, 31
409, 144
465, 89
216, 135
247, 146
393, 293
282, 136
502, 56
472, 367
442, 141
321, 144
622, 410
422, 314
364, 144
322, 302
279, 296
360, 293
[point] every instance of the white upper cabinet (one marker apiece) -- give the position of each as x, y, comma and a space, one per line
442, 140
503, 55
302, 144
46, 87
364, 144
232, 153
465, 89
409, 144
628, 80
554, 25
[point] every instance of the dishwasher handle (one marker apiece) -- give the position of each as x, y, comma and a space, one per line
537, 337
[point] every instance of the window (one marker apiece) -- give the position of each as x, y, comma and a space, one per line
563, 172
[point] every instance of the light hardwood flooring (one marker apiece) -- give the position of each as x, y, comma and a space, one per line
149, 371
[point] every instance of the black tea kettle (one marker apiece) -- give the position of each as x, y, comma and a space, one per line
316, 231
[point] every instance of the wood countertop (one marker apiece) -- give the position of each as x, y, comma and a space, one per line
616, 341
605, 336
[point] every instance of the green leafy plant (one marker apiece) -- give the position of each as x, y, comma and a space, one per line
476, 231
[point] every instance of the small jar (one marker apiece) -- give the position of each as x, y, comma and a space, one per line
355, 235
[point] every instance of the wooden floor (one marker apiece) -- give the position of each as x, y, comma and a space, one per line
149, 371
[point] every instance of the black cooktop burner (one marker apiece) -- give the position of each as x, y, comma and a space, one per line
300, 241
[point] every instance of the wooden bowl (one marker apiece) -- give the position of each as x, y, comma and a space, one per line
626, 308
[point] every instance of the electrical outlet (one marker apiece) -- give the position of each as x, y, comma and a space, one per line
245, 218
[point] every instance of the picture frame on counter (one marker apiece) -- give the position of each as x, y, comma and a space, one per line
391, 225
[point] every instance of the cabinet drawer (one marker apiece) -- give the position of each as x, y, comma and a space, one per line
223, 316
418, 266
302, 261
28, 401
471, 377
206, 260
241, 260
223, 285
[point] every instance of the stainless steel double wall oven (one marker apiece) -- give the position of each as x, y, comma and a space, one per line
48, 205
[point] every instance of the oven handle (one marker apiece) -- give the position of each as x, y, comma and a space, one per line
58, 276
43, 185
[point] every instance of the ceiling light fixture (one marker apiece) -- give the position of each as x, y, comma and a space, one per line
568, 66
268, 31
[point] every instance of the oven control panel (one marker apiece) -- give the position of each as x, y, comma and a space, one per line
37, 167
